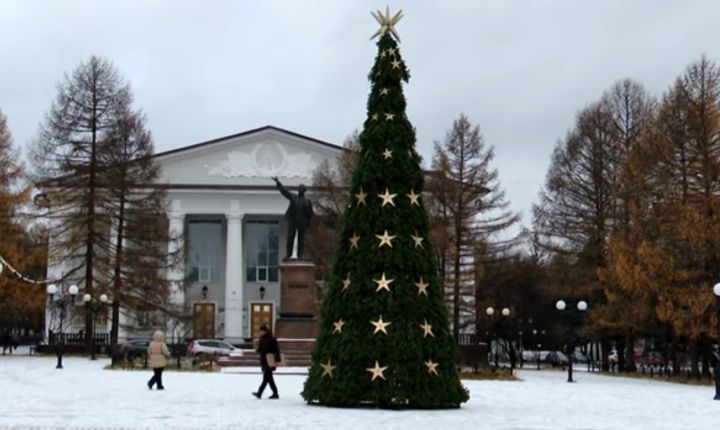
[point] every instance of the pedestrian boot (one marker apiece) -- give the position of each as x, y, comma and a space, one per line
256, 395
274, 396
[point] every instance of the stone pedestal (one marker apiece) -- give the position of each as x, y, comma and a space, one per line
297, 317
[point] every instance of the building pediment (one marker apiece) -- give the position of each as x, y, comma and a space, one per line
248, 158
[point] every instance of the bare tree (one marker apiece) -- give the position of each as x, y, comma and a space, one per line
471, 207
68, 165
139, 259
331, 192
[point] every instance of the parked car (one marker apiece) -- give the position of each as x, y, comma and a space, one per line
653, 358
580, 357
554, 358
210, 347
135, 348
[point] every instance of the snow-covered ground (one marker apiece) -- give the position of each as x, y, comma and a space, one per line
33, 394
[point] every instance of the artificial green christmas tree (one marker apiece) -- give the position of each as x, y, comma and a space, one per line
385, 337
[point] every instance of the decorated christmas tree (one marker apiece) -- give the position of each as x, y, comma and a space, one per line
385, 338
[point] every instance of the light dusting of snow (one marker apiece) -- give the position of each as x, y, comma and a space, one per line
34, 395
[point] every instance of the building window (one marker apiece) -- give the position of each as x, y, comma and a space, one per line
206, 243
261, 261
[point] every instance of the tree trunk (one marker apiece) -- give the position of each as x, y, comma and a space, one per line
705, 357
90, 244
694, 358
605, 350
114, 332
672, 355
117, 276
630, 351
621, 354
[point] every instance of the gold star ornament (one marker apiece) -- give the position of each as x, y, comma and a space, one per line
387, 23
387, 153
389, 116
377, 371
380, 325
427, 329
414, 198
327, 369
418, 240
431, 367
384, 92
387, 198
422, 287
361, 196
395, 64
346, 283
338, 325
383, 283
354, 241
385, 239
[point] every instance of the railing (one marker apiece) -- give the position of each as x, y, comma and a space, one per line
77, 339
469, 339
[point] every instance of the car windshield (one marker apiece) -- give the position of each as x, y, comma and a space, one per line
226, 345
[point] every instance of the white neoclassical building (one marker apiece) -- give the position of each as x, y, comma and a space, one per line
222, 197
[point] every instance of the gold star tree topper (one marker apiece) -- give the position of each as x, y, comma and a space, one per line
387, 23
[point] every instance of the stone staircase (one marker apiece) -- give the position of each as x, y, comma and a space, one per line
296, 352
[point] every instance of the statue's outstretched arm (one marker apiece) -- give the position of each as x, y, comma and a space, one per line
288, 195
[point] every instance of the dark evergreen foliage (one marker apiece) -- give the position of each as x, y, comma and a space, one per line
405, 349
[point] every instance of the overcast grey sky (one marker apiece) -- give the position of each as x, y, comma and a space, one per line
205, 69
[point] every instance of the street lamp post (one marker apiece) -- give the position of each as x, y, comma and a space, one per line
716, 370
537, 347
581, 307
490, 311
59, 299
89, 307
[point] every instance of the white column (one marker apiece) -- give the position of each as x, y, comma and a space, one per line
176, 272
233, 278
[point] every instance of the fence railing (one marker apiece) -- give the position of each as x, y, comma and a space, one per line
470, 339
78, 339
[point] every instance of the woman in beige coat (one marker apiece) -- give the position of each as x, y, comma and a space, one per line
157, 359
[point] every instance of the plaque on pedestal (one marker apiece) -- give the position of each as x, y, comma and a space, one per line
298, 300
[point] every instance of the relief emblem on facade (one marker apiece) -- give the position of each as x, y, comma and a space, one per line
262, 161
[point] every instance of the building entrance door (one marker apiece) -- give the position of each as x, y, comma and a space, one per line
260, 314
203, 320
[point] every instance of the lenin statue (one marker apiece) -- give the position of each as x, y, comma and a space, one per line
298, 216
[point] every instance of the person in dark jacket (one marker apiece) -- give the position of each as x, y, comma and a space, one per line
7, 341
267, 346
